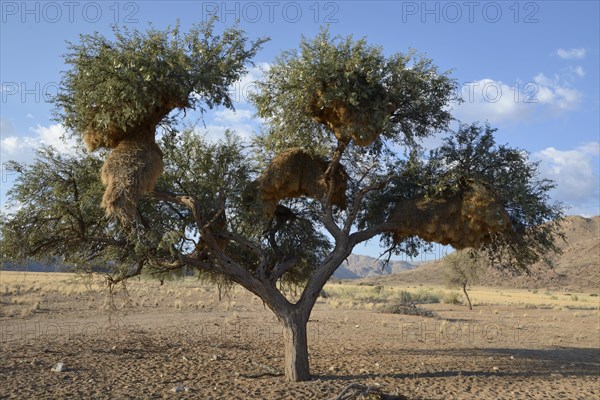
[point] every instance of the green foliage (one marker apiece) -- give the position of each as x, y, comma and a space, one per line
302, 240
56, 207
58, 214
116, 85
213, 172
472, 155
401, 97
217, 174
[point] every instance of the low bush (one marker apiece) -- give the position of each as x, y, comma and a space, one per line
421, 296
405, 309
452, 298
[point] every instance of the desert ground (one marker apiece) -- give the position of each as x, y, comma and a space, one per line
179, 341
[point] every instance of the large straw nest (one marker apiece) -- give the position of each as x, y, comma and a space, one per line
349, 122
296, 173
134, 164
144, 130
469, 218
128, 173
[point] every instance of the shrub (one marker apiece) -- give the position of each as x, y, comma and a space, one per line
421, 296
411, 310
452, 298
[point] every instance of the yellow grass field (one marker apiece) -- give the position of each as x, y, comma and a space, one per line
533, 298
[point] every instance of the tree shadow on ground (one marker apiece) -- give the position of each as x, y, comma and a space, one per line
565, 361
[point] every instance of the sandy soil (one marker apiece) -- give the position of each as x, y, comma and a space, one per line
233, 350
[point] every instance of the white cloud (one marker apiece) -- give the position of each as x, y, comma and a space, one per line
578, 70
229, 116
54, 135
242, 120
496, 101
22, 148
214, 133
242, 88
10, 143
571, 53
555, 93
575, 174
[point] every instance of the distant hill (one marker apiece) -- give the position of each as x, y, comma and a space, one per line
357, 266
35, 266
31, 266
578, 267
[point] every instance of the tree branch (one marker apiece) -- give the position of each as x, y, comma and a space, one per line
323, 273
334, 164
281, 268
111, 282
249, 246
358, 198
111, 242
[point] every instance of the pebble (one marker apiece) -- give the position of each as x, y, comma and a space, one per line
58, 367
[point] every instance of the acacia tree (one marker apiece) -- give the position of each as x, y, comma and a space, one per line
339, 154
463, 268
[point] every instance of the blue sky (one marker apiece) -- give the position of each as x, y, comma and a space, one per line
529, 68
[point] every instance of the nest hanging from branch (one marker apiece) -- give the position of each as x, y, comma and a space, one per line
131, 170
296, 173
352, 121
469, 218
344, 124
135, 163
142, 130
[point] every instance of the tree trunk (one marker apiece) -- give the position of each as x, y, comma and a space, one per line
467, 296
296, 347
